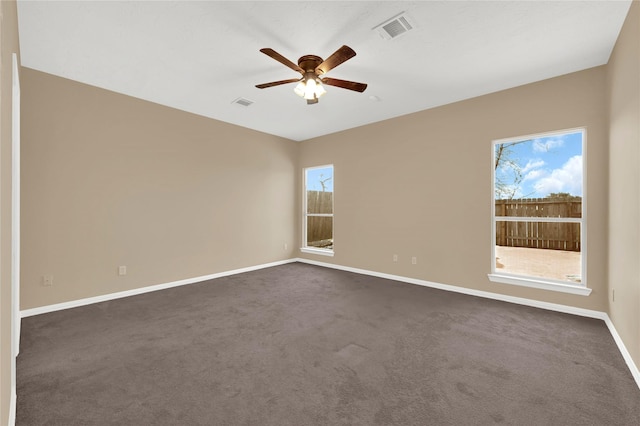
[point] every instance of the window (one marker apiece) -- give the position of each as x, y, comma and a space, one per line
318, 210
538, 212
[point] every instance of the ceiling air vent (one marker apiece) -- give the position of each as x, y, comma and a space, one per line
242, 101
395, 27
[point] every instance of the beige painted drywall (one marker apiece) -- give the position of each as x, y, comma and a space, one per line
8, 46
109, 180
623, 83
420, 185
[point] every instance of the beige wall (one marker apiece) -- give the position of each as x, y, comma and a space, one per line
420, 185
9, 45
623, 82
110, 180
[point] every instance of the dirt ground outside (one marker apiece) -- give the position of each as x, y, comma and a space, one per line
544, 263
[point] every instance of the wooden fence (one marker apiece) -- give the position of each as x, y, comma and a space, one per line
319, 229
546, 235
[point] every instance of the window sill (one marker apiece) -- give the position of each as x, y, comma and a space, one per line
322, 252
541, 284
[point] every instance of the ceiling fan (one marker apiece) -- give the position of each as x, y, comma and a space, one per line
312, 67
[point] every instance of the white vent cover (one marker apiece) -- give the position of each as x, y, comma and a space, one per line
242, 101
395, 27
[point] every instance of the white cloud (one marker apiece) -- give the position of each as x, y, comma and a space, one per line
534, 174
532, 164
568, 178
546, 145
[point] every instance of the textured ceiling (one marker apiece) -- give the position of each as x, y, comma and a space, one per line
200, 56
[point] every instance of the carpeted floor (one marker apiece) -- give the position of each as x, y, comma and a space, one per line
304, 345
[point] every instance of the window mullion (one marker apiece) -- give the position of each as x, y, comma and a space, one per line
538, 219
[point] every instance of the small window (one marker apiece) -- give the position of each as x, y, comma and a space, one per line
538, 212
318, 210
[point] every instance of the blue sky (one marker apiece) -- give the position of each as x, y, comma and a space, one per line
546, 165
315, 175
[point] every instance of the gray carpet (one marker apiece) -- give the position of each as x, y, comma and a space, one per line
303, 345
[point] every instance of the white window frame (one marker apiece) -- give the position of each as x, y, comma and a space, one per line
305, 215
532, 281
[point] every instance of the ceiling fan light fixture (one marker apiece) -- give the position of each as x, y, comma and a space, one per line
320, 88
300, 88
310, 88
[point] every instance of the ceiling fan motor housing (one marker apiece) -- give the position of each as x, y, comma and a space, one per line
309, 63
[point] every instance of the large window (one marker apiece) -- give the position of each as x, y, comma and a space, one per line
538, 212
318, 210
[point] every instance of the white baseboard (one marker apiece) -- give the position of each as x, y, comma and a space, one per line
112, 296
12, 407
623, 350
496, 296
479, 293
488, 295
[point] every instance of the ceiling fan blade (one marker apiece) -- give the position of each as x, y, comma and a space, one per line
278, 57
351, 85
339, 56
276, 83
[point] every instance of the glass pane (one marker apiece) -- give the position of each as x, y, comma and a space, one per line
319, 202
543, 235
319, 187
539, 249
320, 232
539, 177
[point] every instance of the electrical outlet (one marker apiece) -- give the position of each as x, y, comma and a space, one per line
414, 260
395, 257
613, 295
47, 280
122, 270
286, 246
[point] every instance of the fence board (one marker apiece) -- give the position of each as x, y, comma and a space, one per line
545, 235
319, 202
